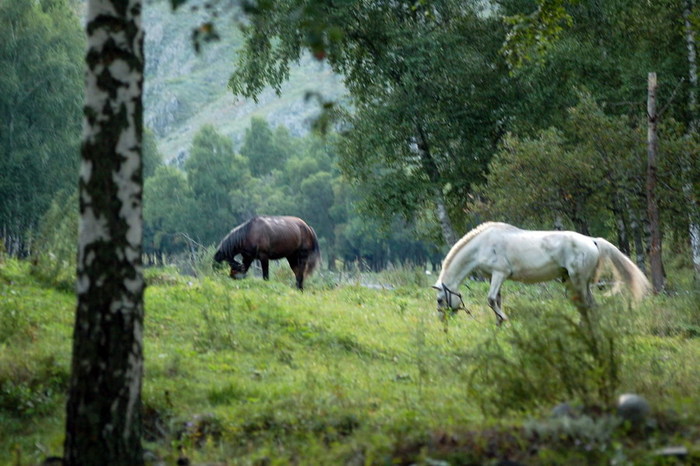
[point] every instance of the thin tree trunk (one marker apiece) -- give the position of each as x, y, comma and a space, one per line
657, 271
448, 233
691, 201
103, 414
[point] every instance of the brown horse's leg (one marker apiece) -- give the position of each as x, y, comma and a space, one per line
298, 269
246, 263
265, 264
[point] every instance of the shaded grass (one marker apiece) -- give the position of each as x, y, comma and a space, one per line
35, 328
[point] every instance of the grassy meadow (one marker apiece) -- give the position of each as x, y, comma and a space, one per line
253, 372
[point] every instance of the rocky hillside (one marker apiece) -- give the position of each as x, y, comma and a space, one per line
185, 90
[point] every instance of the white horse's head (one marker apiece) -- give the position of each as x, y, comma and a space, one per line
447, 300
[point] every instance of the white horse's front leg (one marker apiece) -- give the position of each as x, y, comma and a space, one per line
494, 296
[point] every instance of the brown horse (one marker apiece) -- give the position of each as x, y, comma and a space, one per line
270, 238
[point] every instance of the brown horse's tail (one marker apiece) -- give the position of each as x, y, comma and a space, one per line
314, 255
623, 268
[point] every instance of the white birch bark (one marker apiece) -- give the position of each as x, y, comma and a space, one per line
448, 233
103, 417
692, 202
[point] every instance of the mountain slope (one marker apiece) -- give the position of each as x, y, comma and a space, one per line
185, 90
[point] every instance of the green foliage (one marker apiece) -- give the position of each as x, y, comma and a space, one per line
550, 357
150, 156
260, 148
607, 48
219, 180
374, 245
531, 35
545, 190
31, 390
55, 246
167, 209
591, 167
410, 73
41, 48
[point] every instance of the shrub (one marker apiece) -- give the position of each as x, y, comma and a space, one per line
32, 388
552, 355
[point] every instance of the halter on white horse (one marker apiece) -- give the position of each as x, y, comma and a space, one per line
500, 251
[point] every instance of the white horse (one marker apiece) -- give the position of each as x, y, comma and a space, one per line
500, 251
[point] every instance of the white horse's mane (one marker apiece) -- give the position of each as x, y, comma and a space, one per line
466, 239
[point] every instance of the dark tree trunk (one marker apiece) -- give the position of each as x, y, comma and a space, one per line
638, 238
623, 242
657, 269
103, 415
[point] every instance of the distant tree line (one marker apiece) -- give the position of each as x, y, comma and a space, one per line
454, 117
41, 90
273, 173
532, 112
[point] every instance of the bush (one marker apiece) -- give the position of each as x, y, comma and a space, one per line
33, 388
553, 355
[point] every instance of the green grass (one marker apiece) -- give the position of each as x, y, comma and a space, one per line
254, 372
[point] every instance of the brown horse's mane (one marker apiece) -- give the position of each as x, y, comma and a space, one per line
234, 239
463, 242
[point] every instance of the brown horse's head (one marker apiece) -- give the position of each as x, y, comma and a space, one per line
237, 270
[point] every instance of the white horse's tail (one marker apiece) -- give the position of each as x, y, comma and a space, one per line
623, 268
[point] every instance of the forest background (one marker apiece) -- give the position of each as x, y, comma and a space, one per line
450, 113
445, 130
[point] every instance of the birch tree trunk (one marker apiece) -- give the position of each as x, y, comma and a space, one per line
448, 233
657, 270
692, 202
103, 415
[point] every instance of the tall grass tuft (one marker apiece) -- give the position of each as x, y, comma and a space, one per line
549, 356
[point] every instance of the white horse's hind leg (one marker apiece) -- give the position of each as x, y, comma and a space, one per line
494, 297
579, 292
